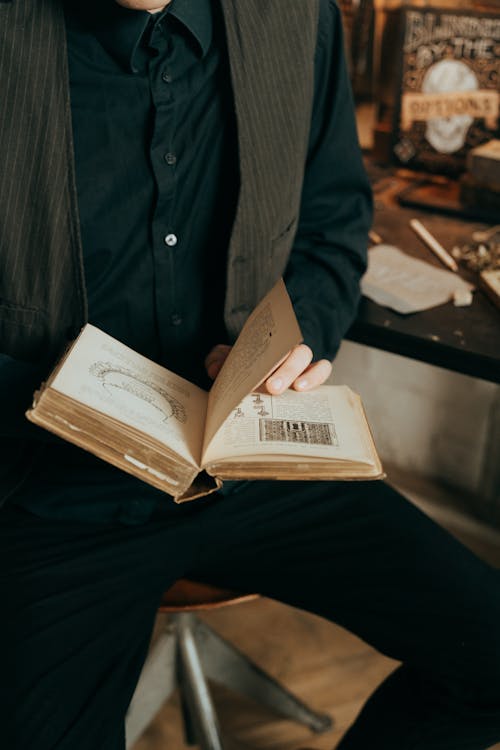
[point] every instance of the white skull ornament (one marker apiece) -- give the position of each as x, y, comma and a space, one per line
448, 134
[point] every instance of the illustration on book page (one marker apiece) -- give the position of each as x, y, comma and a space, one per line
112, 379
322, 423
115, 378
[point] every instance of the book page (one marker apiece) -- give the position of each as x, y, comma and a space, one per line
327, 422
268, 335
111, 378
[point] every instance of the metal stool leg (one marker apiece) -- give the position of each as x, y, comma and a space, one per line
188, 725
191, 650
195, 688
156, 684
224, 664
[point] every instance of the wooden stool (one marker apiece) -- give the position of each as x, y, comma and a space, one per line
189, 652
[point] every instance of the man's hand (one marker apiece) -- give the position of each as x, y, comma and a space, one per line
215, 359
296, 370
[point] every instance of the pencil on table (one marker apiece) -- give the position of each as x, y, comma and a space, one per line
433, 244
375, 237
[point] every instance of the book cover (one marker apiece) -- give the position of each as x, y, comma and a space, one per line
448, 97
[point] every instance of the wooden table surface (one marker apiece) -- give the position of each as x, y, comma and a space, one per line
463, 339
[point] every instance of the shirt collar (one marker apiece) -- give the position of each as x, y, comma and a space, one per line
120, 30
196, 15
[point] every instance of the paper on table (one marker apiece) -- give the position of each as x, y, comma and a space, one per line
406, 284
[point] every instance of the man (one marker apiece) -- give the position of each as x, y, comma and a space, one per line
211, 147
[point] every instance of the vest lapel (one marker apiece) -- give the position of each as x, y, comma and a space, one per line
41, 285
271, 53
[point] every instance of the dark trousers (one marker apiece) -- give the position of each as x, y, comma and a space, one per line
78, 602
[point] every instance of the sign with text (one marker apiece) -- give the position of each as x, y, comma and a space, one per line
449, 99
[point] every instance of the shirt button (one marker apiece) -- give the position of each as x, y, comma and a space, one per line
170, 240
171, 159
166, 77
175, 319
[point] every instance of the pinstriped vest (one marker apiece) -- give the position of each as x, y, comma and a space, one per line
271, 46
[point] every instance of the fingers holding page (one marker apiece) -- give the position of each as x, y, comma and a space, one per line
296, 371
314, 375
215, 359
299, 372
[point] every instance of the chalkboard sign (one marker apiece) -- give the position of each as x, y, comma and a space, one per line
449, 87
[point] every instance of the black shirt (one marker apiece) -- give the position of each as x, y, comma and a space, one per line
156, 156
152, 120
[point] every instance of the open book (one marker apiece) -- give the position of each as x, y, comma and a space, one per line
139, 416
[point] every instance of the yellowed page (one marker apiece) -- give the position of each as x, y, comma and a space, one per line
267, 336
327, 422
111, 378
